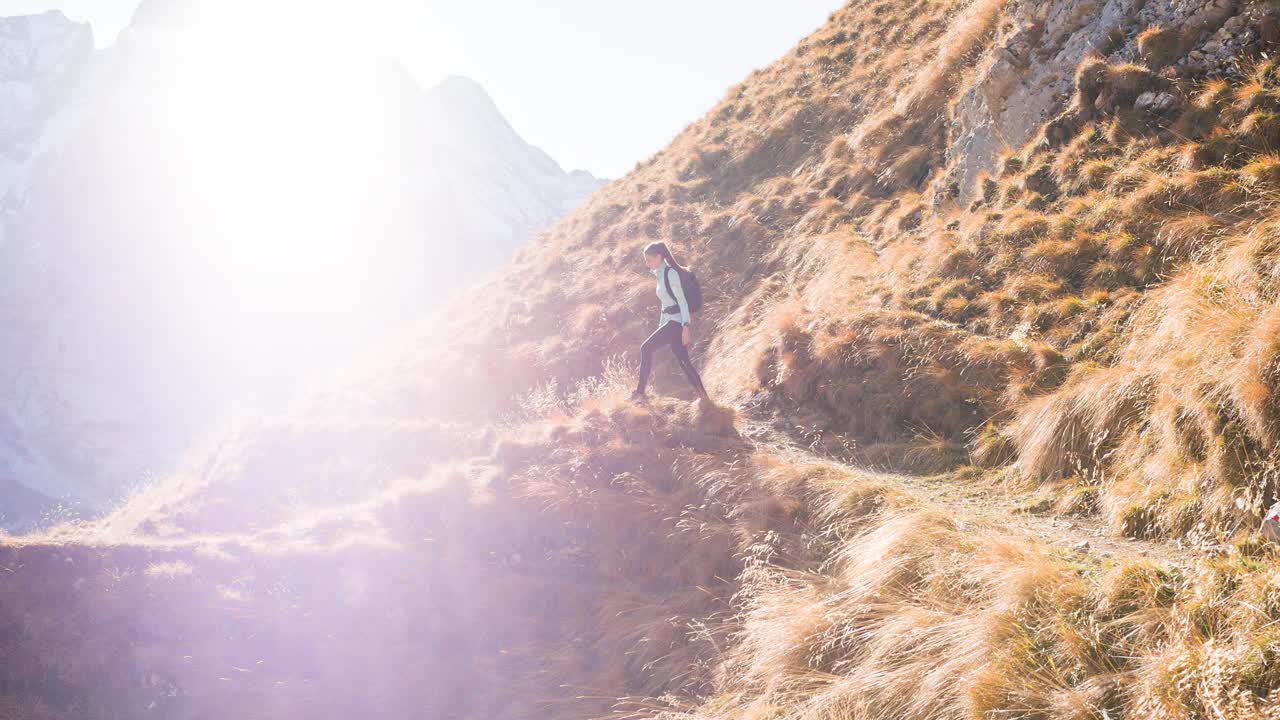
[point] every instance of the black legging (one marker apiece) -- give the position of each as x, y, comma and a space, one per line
669, 334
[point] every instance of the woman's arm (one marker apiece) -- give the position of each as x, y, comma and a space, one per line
678, 291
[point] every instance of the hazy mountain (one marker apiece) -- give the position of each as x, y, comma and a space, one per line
191, 222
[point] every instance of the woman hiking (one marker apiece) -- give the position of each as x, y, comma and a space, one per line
673, 321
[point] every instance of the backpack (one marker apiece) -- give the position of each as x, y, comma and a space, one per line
689, 284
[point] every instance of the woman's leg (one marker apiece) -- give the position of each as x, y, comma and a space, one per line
682, 356
660, 337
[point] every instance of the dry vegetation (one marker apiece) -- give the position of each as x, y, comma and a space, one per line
619, 561
1096, 326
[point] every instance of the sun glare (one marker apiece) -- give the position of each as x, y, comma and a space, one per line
283, 135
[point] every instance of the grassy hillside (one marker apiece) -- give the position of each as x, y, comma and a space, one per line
984, 279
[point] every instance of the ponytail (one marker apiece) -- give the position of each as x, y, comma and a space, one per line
660, 248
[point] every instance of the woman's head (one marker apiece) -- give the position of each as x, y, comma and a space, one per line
656, 252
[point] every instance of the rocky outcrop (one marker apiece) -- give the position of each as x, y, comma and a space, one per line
1028, 78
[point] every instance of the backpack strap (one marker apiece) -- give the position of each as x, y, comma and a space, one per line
666, 279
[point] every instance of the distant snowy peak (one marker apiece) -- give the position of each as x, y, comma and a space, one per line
462, 92
37, 48
460, 111
526, 180
41, 57
510, 185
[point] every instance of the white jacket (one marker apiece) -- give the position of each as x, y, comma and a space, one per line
682, 316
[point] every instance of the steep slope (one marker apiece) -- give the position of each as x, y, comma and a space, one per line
1080, 320
185, 234
922, 320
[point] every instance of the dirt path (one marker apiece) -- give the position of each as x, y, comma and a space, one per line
995, 506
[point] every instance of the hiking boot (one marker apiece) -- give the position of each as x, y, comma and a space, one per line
639, 397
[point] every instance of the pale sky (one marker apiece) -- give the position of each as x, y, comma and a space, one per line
598, 84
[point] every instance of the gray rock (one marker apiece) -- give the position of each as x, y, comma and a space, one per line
1028, 78
1156, 103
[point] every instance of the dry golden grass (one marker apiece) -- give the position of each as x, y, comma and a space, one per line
1112, 342
318, 601
1159, 46
691, 587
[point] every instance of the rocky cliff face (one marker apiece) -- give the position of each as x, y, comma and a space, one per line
187, 233
1029, 74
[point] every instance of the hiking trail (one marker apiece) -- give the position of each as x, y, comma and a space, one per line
992, 505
